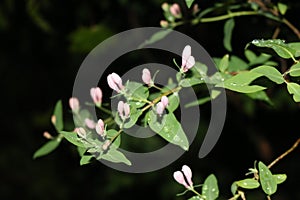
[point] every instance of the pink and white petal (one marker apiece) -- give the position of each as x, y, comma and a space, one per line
178, 176
188, 174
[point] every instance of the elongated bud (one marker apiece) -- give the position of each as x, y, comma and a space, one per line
53, 119
165, 7
106, 145
164, 23
195, 9
165, 101
188, 61
74, 104
146, 77
47, 135
81, 132
161, 106
100, 127
178, 176
188, 174
115, 82
123, 110
90, 123
175, 10
96, 94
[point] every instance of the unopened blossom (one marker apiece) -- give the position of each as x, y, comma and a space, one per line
146, 77
53, 119
47, 135
106, 145
100, 127
124, 110
164, 23
175, 10
183, 175
165, 6
96, 94
81, 132
90, 123
161, 106
74, 104
188, 61
115, 82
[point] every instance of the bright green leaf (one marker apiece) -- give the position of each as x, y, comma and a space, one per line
156, 37
250, 55
198, 102
241, 81
296, 46
228, 27
267, 180
199, 70
173, 102
210, 188
233, 188
224, 63
248, 183
136, 94
194, 198
237, 64
282, 8
47, 148
81, 151
260, 95
295, 70
85, 159
134, 116
294, 89
270, 72
169, 129
111, 134
279, 46
280, 178
261, 60
189, 3
113, 155
189, 82
72, 137
58, 113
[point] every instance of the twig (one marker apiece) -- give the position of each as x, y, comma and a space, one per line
285, 153
292, 27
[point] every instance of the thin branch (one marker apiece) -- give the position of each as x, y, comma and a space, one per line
285, 153
292, 27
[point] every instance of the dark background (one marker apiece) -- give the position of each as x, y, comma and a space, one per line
42, 44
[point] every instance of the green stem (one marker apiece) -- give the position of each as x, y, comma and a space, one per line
199, 195
115, 137
105, 110
227, 16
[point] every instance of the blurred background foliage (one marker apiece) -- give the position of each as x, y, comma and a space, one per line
43, 43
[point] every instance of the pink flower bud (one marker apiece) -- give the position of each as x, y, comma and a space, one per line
178, 176
164, 23
74, 104
90, 123
146, 77
115, 82
47, 135
175, 10
53, 119
106, 145
188, 61
81, 132
96, 94
195, 9
124, 110
100, 127
187, 173
165, 101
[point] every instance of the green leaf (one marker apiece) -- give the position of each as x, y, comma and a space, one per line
198, 102
210, 188
58, 113
295, 70
294, 89
279, 46
296, 46
248, 183
199, 70
282, 8
134, 116
113, 155
85, 159
267, 180
233, 188
112, 133
237, 64
224, 63
189, 82
270, 72
79, 119
260, 95
239, 83
72, 137
228, 27
280, 178
156, 37
169, 129
250, 55
136, 93
173, 102
47, 148
260, 60
189, 3
194, 198
81, 151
